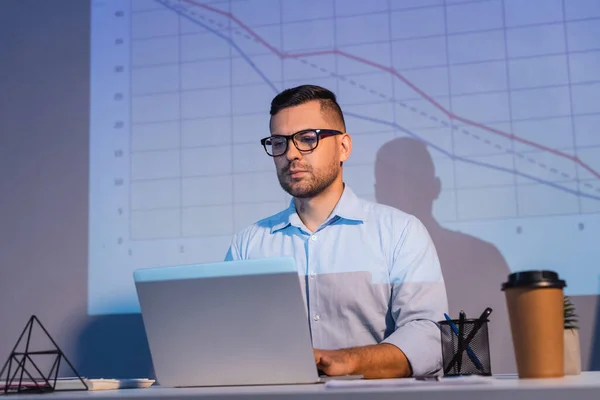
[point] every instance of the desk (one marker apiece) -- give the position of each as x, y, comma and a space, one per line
584, 386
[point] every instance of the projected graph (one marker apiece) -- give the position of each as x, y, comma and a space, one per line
501, 92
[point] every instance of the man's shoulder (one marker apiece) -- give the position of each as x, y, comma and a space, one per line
383, 213
388, 220
264, 225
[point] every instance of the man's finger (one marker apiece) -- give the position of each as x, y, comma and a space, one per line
325, 361
317, 355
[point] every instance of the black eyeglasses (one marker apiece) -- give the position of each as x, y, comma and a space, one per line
305, 140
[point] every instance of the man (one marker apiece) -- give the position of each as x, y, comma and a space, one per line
374, 286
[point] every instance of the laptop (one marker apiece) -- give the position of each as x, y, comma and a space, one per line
227, 323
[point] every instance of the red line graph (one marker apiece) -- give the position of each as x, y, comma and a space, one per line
395, 73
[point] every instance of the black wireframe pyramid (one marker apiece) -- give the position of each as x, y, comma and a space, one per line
23, 371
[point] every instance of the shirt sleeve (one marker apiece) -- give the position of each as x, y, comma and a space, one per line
233, 253
418, 299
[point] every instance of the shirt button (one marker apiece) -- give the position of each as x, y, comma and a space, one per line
313, 237
316, 317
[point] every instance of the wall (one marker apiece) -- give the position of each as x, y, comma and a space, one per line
44, 117
44, 76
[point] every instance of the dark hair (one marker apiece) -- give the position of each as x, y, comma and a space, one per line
305, 93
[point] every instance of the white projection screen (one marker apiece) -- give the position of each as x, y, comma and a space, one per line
480, 117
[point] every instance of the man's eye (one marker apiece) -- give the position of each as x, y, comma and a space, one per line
308, 139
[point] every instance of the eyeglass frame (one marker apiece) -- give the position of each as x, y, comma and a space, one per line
321, 133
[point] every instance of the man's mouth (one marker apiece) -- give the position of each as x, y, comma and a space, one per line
297, 172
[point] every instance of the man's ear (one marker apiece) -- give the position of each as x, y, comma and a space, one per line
345, 147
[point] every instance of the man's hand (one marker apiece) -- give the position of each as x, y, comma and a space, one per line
335, 362
375, 361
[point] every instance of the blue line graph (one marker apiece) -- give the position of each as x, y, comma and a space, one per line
224, 37
378, 121
478, 163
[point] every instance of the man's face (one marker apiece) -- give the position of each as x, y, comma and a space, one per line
307, 174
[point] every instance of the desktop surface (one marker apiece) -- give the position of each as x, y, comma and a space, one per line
584, 386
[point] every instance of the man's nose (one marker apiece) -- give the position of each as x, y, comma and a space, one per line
292, 152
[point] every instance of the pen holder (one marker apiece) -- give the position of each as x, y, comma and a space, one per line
474, 357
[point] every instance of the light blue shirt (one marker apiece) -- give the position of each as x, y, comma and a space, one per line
371, 275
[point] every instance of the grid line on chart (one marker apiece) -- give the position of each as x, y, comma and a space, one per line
462, 220
411, 8
278, 206
335, 46
449, 76
130, 224
161, 238
364, 134
409, 38
372, 91
250, 173
351, 168
180, 124
573, 127
500, 121
406, 69
233, 213
390, 35
510, 104
360, 193
281, 44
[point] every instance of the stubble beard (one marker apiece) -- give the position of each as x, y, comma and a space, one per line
311, 184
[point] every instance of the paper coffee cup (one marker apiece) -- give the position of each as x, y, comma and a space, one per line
536, 311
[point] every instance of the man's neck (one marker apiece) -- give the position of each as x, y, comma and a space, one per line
314, 211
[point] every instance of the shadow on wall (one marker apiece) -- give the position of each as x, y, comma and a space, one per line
114, 346
473, 269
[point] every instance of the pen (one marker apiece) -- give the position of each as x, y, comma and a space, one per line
470, 351
482, 318
461, 338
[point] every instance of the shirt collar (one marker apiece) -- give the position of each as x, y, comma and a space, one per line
349, 207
